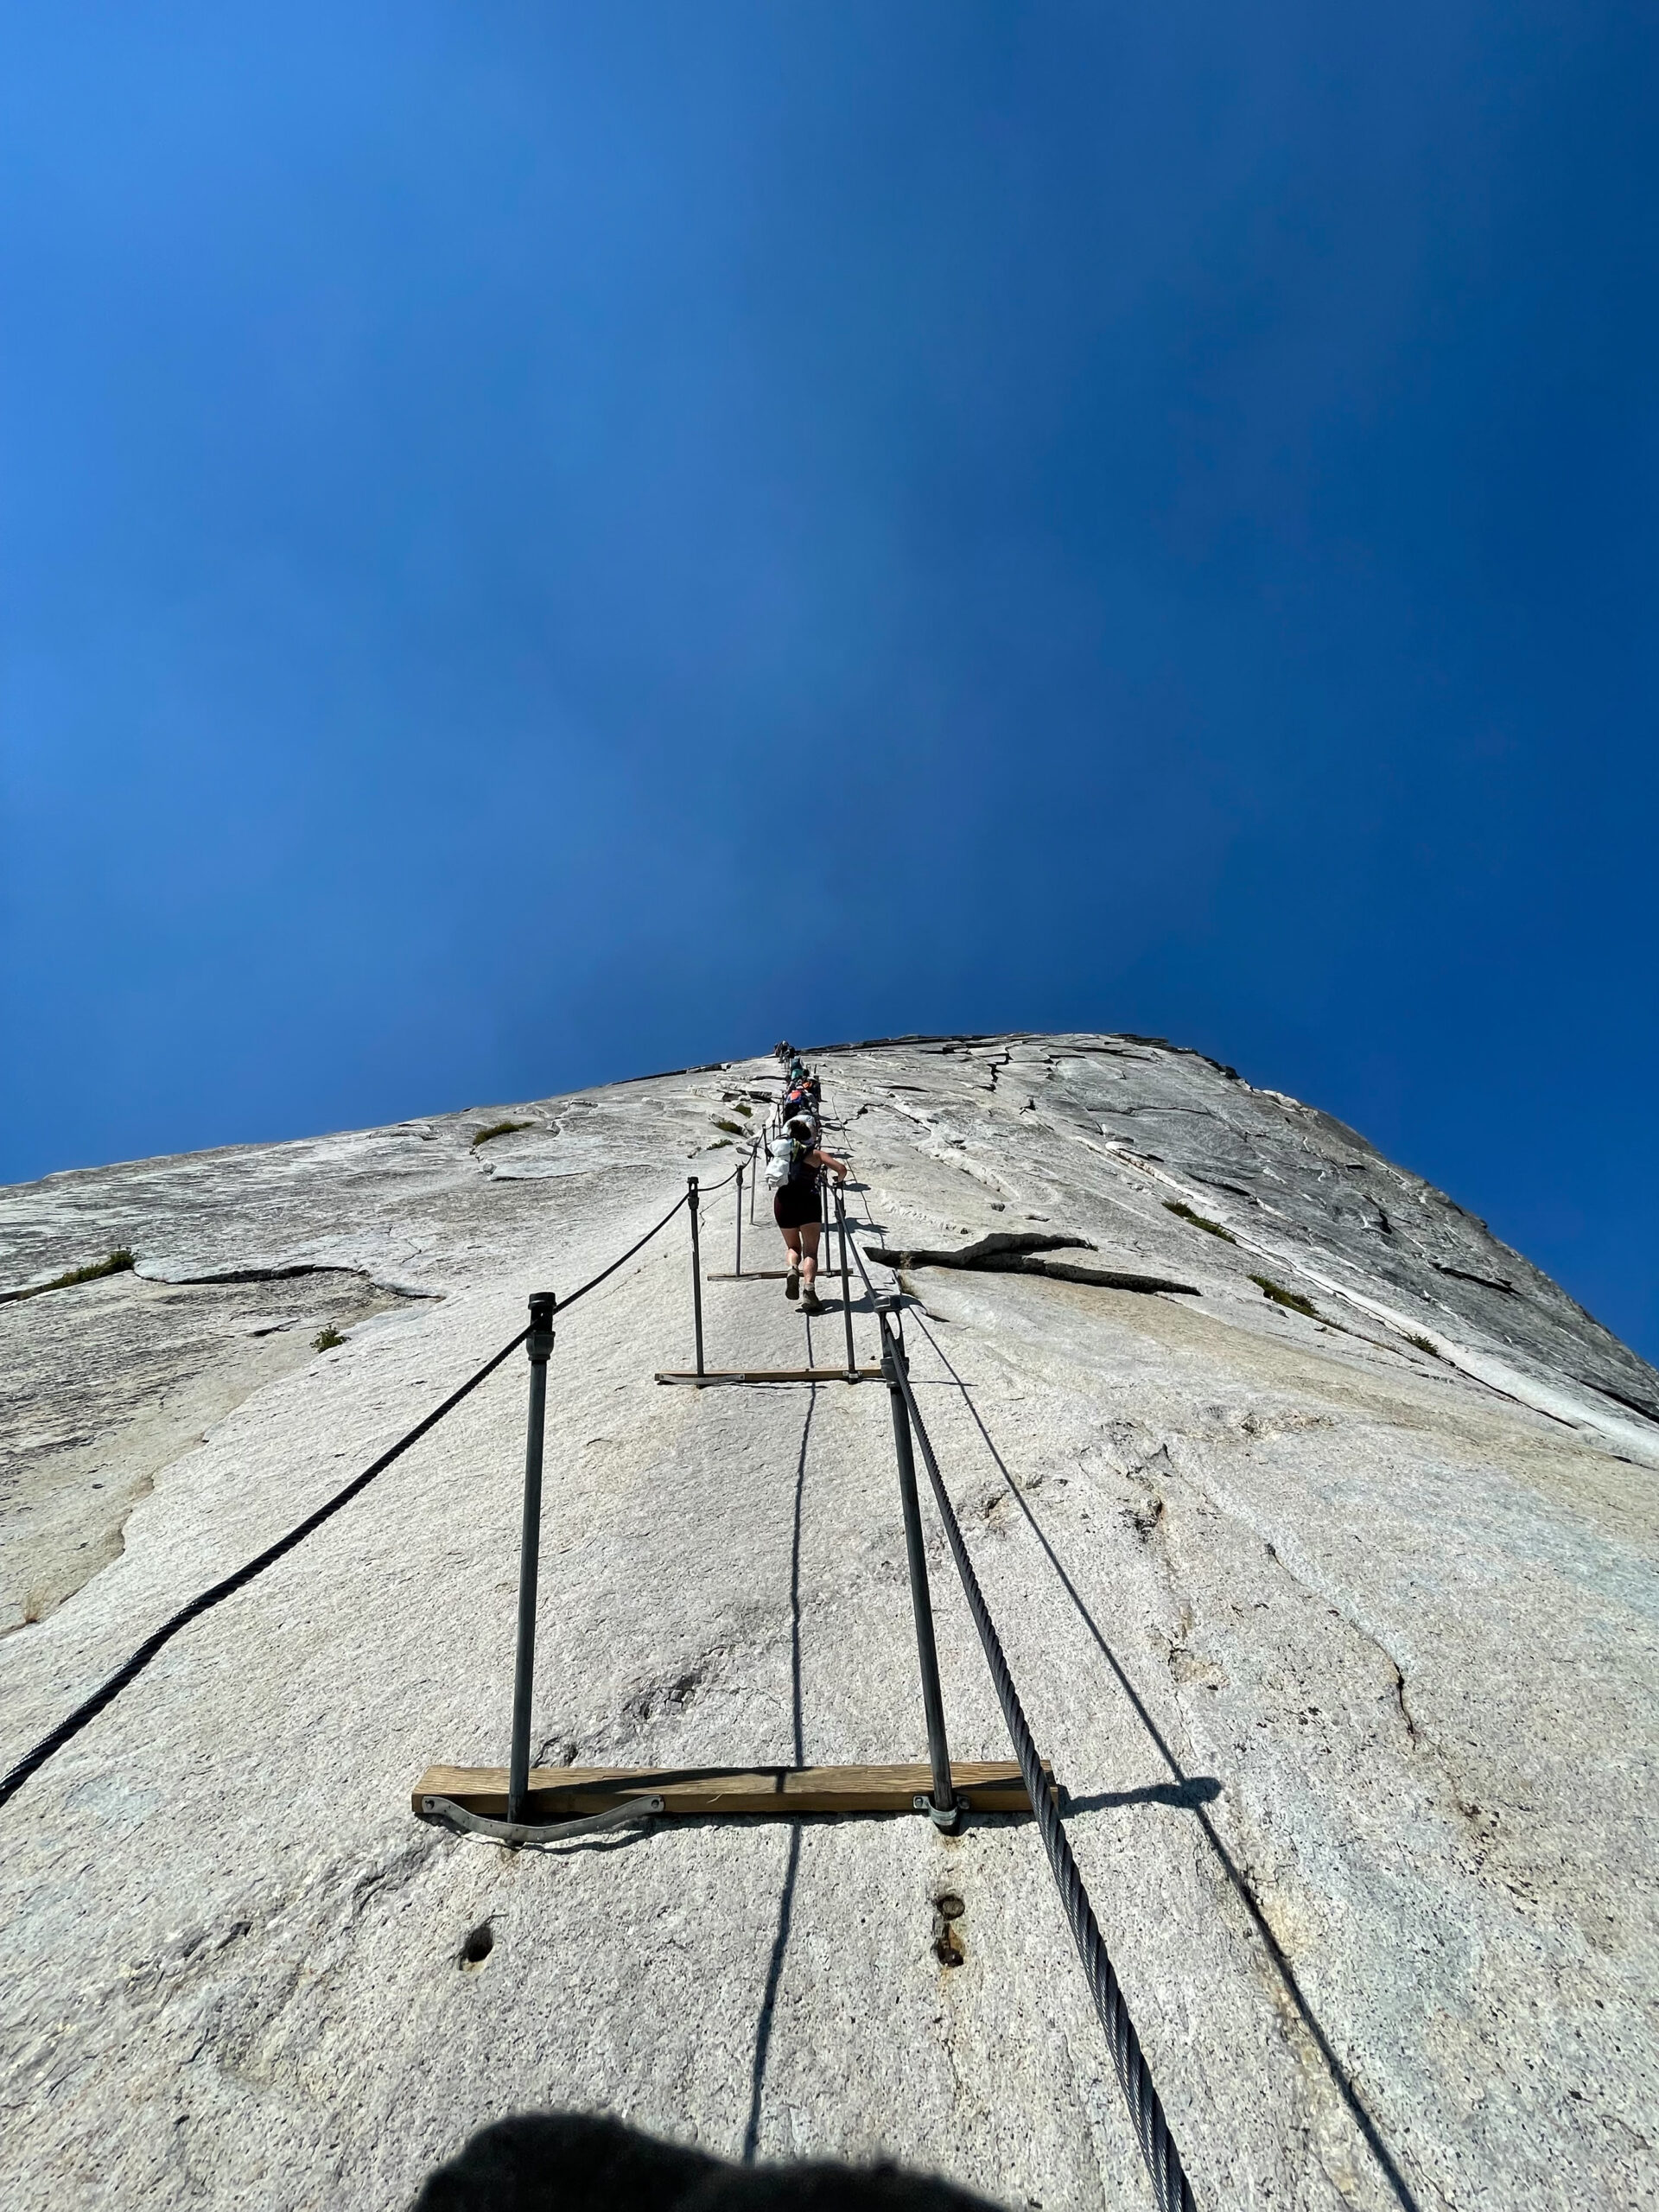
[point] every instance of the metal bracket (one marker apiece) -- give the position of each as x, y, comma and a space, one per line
539, 1342
521, 1833
891, 1306
948, 1823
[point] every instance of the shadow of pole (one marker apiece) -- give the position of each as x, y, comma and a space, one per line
792, 1863
1189, 1793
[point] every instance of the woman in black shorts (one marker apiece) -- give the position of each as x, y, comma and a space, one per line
798, 1209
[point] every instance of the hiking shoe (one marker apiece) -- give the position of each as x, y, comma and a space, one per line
810, 1302
793, 1283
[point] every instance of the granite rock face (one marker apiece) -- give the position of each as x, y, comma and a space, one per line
1327, 1582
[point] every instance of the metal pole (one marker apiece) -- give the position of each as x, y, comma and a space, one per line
737, 1265
942, 1805
697, 1266
540, 1345
846, 1288
754, 1163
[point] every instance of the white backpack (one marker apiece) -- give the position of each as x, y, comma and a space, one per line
780, 1160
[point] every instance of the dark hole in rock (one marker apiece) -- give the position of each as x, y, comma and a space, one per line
949, 1951
477, 1945
950, 1906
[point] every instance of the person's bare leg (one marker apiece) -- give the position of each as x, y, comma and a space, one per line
809, 1254
792, 1247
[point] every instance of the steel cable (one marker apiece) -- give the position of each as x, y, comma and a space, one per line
1163, 2160
593, 1284
92, 1706
89, 1709
705, 1191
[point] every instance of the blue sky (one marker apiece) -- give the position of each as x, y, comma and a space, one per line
541, 543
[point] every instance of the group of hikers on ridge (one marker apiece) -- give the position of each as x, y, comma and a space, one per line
795, 1162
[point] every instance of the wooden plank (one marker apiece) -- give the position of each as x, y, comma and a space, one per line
770, 1375
754, 1274
563, 1792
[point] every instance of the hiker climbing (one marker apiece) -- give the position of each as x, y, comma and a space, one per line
793, 1174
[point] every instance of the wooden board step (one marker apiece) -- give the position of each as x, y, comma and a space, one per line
559, 1793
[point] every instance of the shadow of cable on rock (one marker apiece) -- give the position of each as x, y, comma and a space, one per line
1404, 2196
792, 1862
1184, 1796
